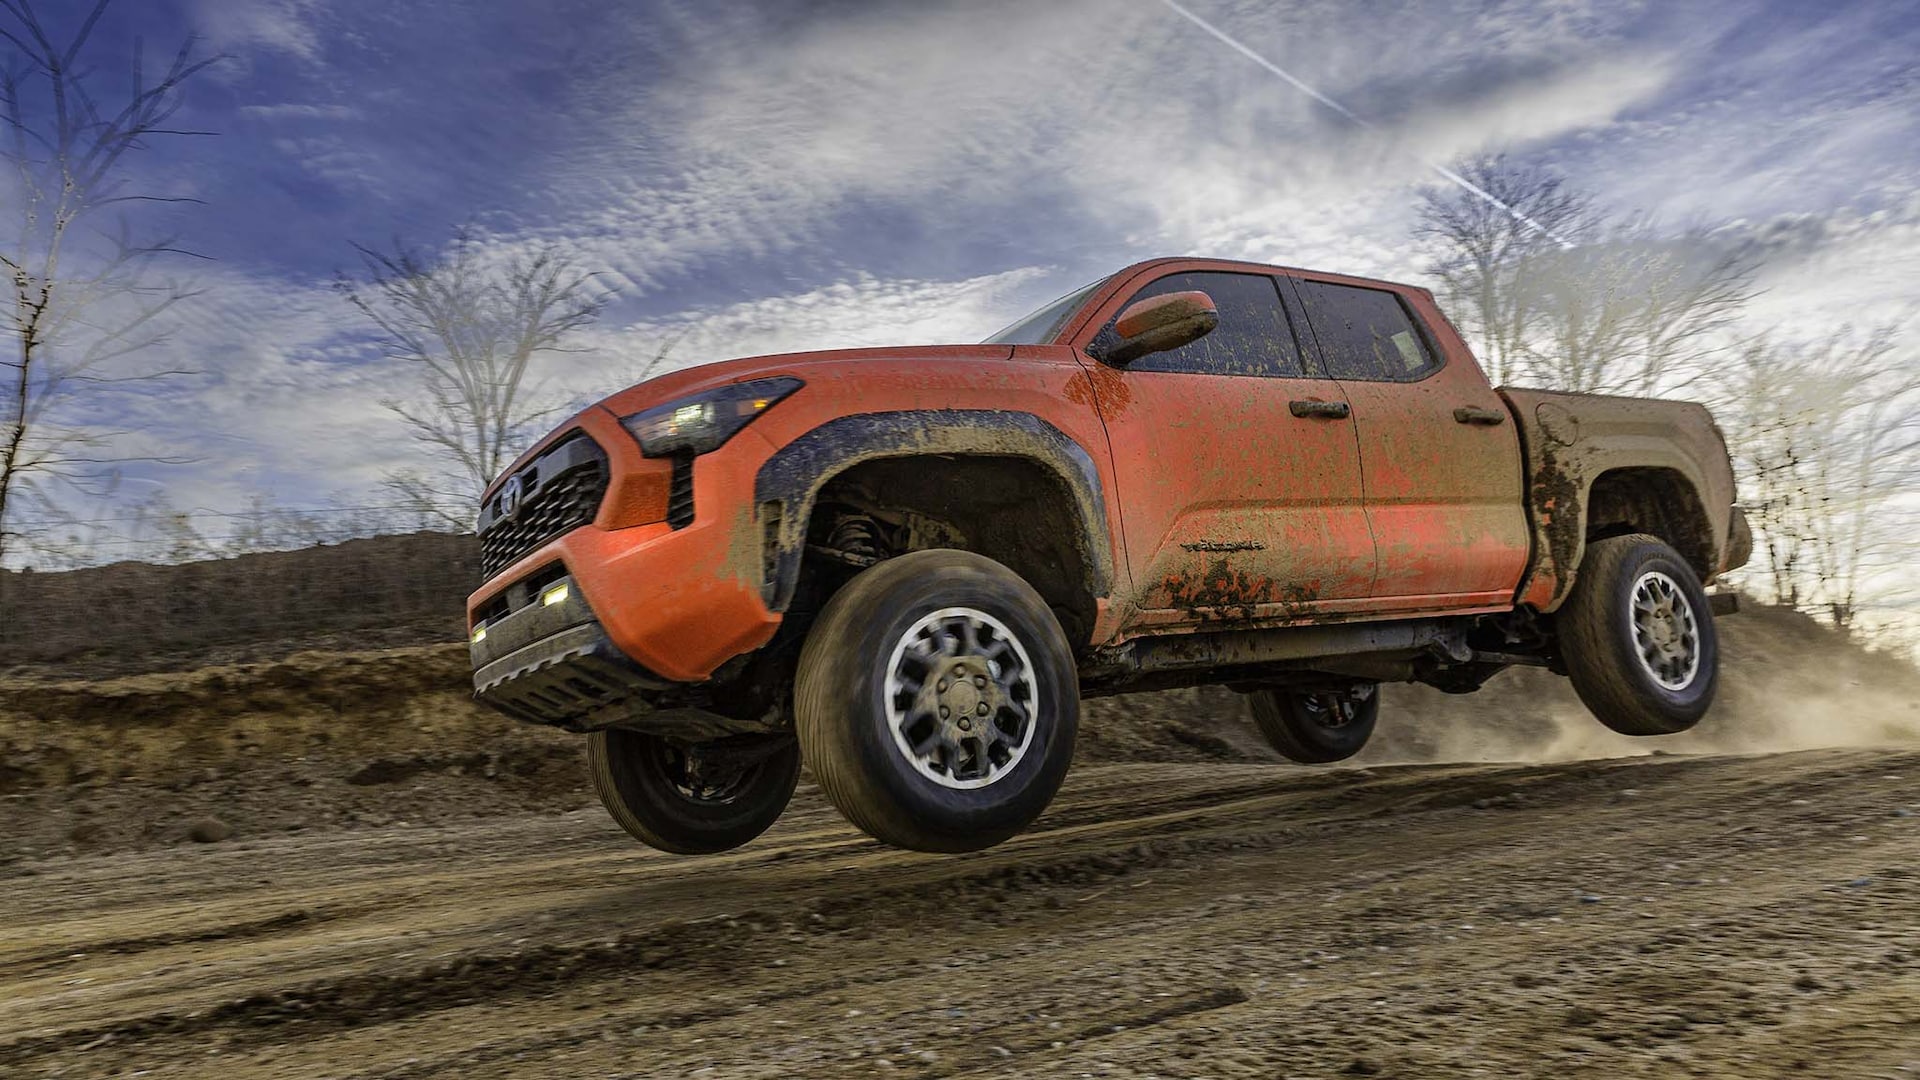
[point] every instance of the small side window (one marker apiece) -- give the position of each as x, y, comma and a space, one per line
1365, 333
1253, 337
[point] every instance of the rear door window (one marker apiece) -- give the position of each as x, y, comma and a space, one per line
1253, 337
1365, 334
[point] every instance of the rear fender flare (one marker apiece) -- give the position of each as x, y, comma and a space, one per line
788, 482
1571, 441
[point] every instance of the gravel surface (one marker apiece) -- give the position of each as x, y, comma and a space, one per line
1732, 916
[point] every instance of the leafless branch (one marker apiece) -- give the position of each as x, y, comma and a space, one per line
74, 310
474, 324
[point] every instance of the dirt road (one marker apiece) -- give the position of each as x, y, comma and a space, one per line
1719, 916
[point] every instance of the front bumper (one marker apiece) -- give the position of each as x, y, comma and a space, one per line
553, 663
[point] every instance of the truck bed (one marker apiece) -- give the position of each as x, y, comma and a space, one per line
1592, 459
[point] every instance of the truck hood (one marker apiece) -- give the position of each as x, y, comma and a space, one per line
678, 384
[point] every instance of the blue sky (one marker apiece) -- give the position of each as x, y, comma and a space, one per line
766, 176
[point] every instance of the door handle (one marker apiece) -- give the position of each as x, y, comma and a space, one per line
1474, 414
1325, 410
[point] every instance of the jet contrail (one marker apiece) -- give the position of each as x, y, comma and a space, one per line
1465, 184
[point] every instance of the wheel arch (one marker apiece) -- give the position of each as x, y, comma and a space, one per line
1658, 501
918, 459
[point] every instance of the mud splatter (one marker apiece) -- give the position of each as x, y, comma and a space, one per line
1556, 497
1222, 593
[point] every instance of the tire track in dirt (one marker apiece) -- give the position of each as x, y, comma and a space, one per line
1176, 830
271, 924
819, 892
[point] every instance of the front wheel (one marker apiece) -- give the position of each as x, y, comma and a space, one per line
937, 702
692, 798
1638, 637
1317, 727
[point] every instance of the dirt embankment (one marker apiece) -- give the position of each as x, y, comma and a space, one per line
314, 740
326, 740
133, 617
322, 740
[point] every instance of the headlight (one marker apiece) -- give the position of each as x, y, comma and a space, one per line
703, 422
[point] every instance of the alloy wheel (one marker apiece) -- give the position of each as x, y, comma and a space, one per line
960, 696
1666, 633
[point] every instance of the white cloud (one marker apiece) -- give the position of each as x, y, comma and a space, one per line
279, 399
1112, 115
1854, 268
296, 111
337, 161
1133, 120
862, 311
239, 26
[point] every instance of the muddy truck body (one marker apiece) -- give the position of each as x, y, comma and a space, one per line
908, 565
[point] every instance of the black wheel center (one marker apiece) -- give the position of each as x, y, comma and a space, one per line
1328, 710
703, 778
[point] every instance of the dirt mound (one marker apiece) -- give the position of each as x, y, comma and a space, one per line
375, 592
364, 739
316, 739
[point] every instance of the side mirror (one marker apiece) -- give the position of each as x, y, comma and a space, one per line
1159, 323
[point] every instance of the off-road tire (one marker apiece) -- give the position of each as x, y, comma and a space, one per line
632, 775
1299, 732
1597, 639
845, 720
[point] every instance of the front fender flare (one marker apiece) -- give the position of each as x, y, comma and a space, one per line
787, 483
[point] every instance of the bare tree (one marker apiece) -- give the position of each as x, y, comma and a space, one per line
1693, 288
1827, 443
1624, 309
1631, 310
82, 297
474, 324
1480, 251
641, 373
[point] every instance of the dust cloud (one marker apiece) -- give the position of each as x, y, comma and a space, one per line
1787, 683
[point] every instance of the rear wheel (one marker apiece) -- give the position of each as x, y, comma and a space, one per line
937, 701
1638, 637
692, 798
1315, 727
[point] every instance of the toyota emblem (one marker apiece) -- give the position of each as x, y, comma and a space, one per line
511, 493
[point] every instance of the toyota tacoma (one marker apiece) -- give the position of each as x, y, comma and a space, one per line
907, 566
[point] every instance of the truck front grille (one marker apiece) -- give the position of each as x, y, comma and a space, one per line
559, 491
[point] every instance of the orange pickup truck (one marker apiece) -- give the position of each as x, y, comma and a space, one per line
908, 565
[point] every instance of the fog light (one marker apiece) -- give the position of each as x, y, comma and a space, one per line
480, 633
555, 594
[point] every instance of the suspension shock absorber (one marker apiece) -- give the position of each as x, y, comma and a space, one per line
858, 537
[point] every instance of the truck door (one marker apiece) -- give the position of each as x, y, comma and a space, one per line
1438, 451
1237, 467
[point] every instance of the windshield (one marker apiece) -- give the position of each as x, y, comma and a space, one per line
1040, 327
